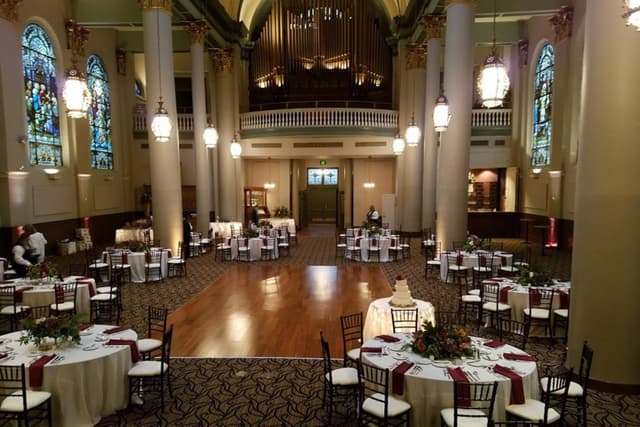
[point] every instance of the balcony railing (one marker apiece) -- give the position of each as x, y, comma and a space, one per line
330, 118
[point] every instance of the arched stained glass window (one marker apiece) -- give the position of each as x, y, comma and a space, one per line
542, 102
41, 97
99, 114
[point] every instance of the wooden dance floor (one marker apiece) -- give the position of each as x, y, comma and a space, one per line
268, 310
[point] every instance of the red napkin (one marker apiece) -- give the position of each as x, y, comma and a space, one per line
59, 294
357, 243
36, 369
125, 258
458, 375
459, 259
388, 338
503, 260
397, 376
169, 253
394, 243
135, 354
517, 389
483, 261
116, 329
504, 294
19, 294
92, 291
370, 349
3, 355
83, 326
147, 257
534, 297
564, 299
494, 344
520, 357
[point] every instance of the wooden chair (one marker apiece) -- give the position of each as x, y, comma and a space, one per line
105, 306
153, 265
223, 249
405, 244
268, 248
96, 266
19, 403
177, 265
395, 250
539, 310
283, 242
195, 248
353, 251
156, 327
378, 407
340, 383
150, 375
456, 268
65, 295
404, 319
514, 332
351, 336
243, 249
491, 304
118, 264
473, 404
560, 315
374, 248
11, 308
341, 244
484, 269
433, 264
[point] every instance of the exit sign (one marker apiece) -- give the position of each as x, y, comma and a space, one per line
323, 162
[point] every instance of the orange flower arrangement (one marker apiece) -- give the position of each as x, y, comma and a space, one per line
440, 342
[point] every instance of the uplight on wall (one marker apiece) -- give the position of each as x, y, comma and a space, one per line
369, 185
52, 173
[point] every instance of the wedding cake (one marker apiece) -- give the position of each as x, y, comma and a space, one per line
402, 295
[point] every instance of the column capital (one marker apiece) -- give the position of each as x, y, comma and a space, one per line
416, 56
77, 36
222, 59
9, 10
562, 22
162, 5
434, 25
450, 3
523, 52
121, 61
197, 31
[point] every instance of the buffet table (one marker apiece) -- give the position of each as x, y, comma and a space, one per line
223, 229
378, 319
133, 234
86, 381
429, 388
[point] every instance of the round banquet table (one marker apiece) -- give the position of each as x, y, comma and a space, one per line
137, 262
223, 229
86, 384
43, 295
255, 245
470, 259
383, 242
431, 389
378, 320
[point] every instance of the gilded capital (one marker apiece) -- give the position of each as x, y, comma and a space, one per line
197, 30
222, 59
416, 56
9, 10
450, 3
562, 23
77, 37
434, 25
163, 5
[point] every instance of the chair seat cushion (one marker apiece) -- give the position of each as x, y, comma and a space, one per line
395, 406
491, 306
434, 262
533, 410
562, 312
147, 344
65, 306
99, 265
510, 269
103, 290
147, 368
354, 354
470, 298
175, 261
103, 297
474, 292
476, 418
13, 403
9, 309
575, 389
344, 376
153, 265
537, 313
458, 267
482, 269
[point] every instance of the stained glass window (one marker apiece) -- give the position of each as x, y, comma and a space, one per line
542, 102
41, 97
99, 114
314, 176
324, 176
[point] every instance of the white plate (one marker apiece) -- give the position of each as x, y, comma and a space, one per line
399, 356
479, 363
102, 337
441, 363
90, 347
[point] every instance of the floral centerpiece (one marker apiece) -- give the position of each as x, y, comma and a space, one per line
138, 246
475, 243
263, 223
373, 229
441, 342
529, 278
44, 270
61, 329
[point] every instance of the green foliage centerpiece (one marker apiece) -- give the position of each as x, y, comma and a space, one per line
61, 329
441, 342
529, 278
44, 270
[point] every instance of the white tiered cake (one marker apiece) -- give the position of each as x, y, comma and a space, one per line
402, 295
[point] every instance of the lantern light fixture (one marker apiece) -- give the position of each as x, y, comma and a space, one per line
398, 145
210, 136
493, 81
235, 147
161, 123
441, 114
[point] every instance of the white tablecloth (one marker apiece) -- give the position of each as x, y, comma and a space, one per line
43, 295
137, 261
255, 245
277, 222
471, 260
132, 234
378, 319
224, 228
85, 385
430, 390
384, 243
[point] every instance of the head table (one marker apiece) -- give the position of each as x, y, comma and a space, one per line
86, 381
429, 387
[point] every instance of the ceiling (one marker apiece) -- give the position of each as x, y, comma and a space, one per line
232, 21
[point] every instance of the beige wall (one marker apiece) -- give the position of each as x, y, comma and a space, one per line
380, 171
258, 172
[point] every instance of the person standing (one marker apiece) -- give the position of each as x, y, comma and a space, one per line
373, 217
20, 257
186, 235
36, 241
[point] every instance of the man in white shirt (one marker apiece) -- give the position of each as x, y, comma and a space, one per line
20, 255
373, 217
37, 242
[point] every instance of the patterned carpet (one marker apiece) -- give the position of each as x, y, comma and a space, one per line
276, 392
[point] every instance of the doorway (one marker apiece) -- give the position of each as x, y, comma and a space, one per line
321, 204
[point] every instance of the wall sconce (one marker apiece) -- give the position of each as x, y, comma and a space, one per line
52, 173
555, 174
83, 175
535, 173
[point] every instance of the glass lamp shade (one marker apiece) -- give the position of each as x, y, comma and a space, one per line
76, 94
441, 114
398, 145
161, 124
210, 136
413, 133
269, 185
369, 184
493, 82
236, 148
632, 13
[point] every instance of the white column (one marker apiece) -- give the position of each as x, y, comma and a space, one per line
222, 60
198, 30
451, 197
164, 157
433, 26
605, 297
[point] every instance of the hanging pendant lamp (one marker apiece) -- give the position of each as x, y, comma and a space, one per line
493, 82
235, 148
210, 136
161, 123
441, 114
398, 145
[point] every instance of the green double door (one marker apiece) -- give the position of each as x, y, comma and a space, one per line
321, 204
